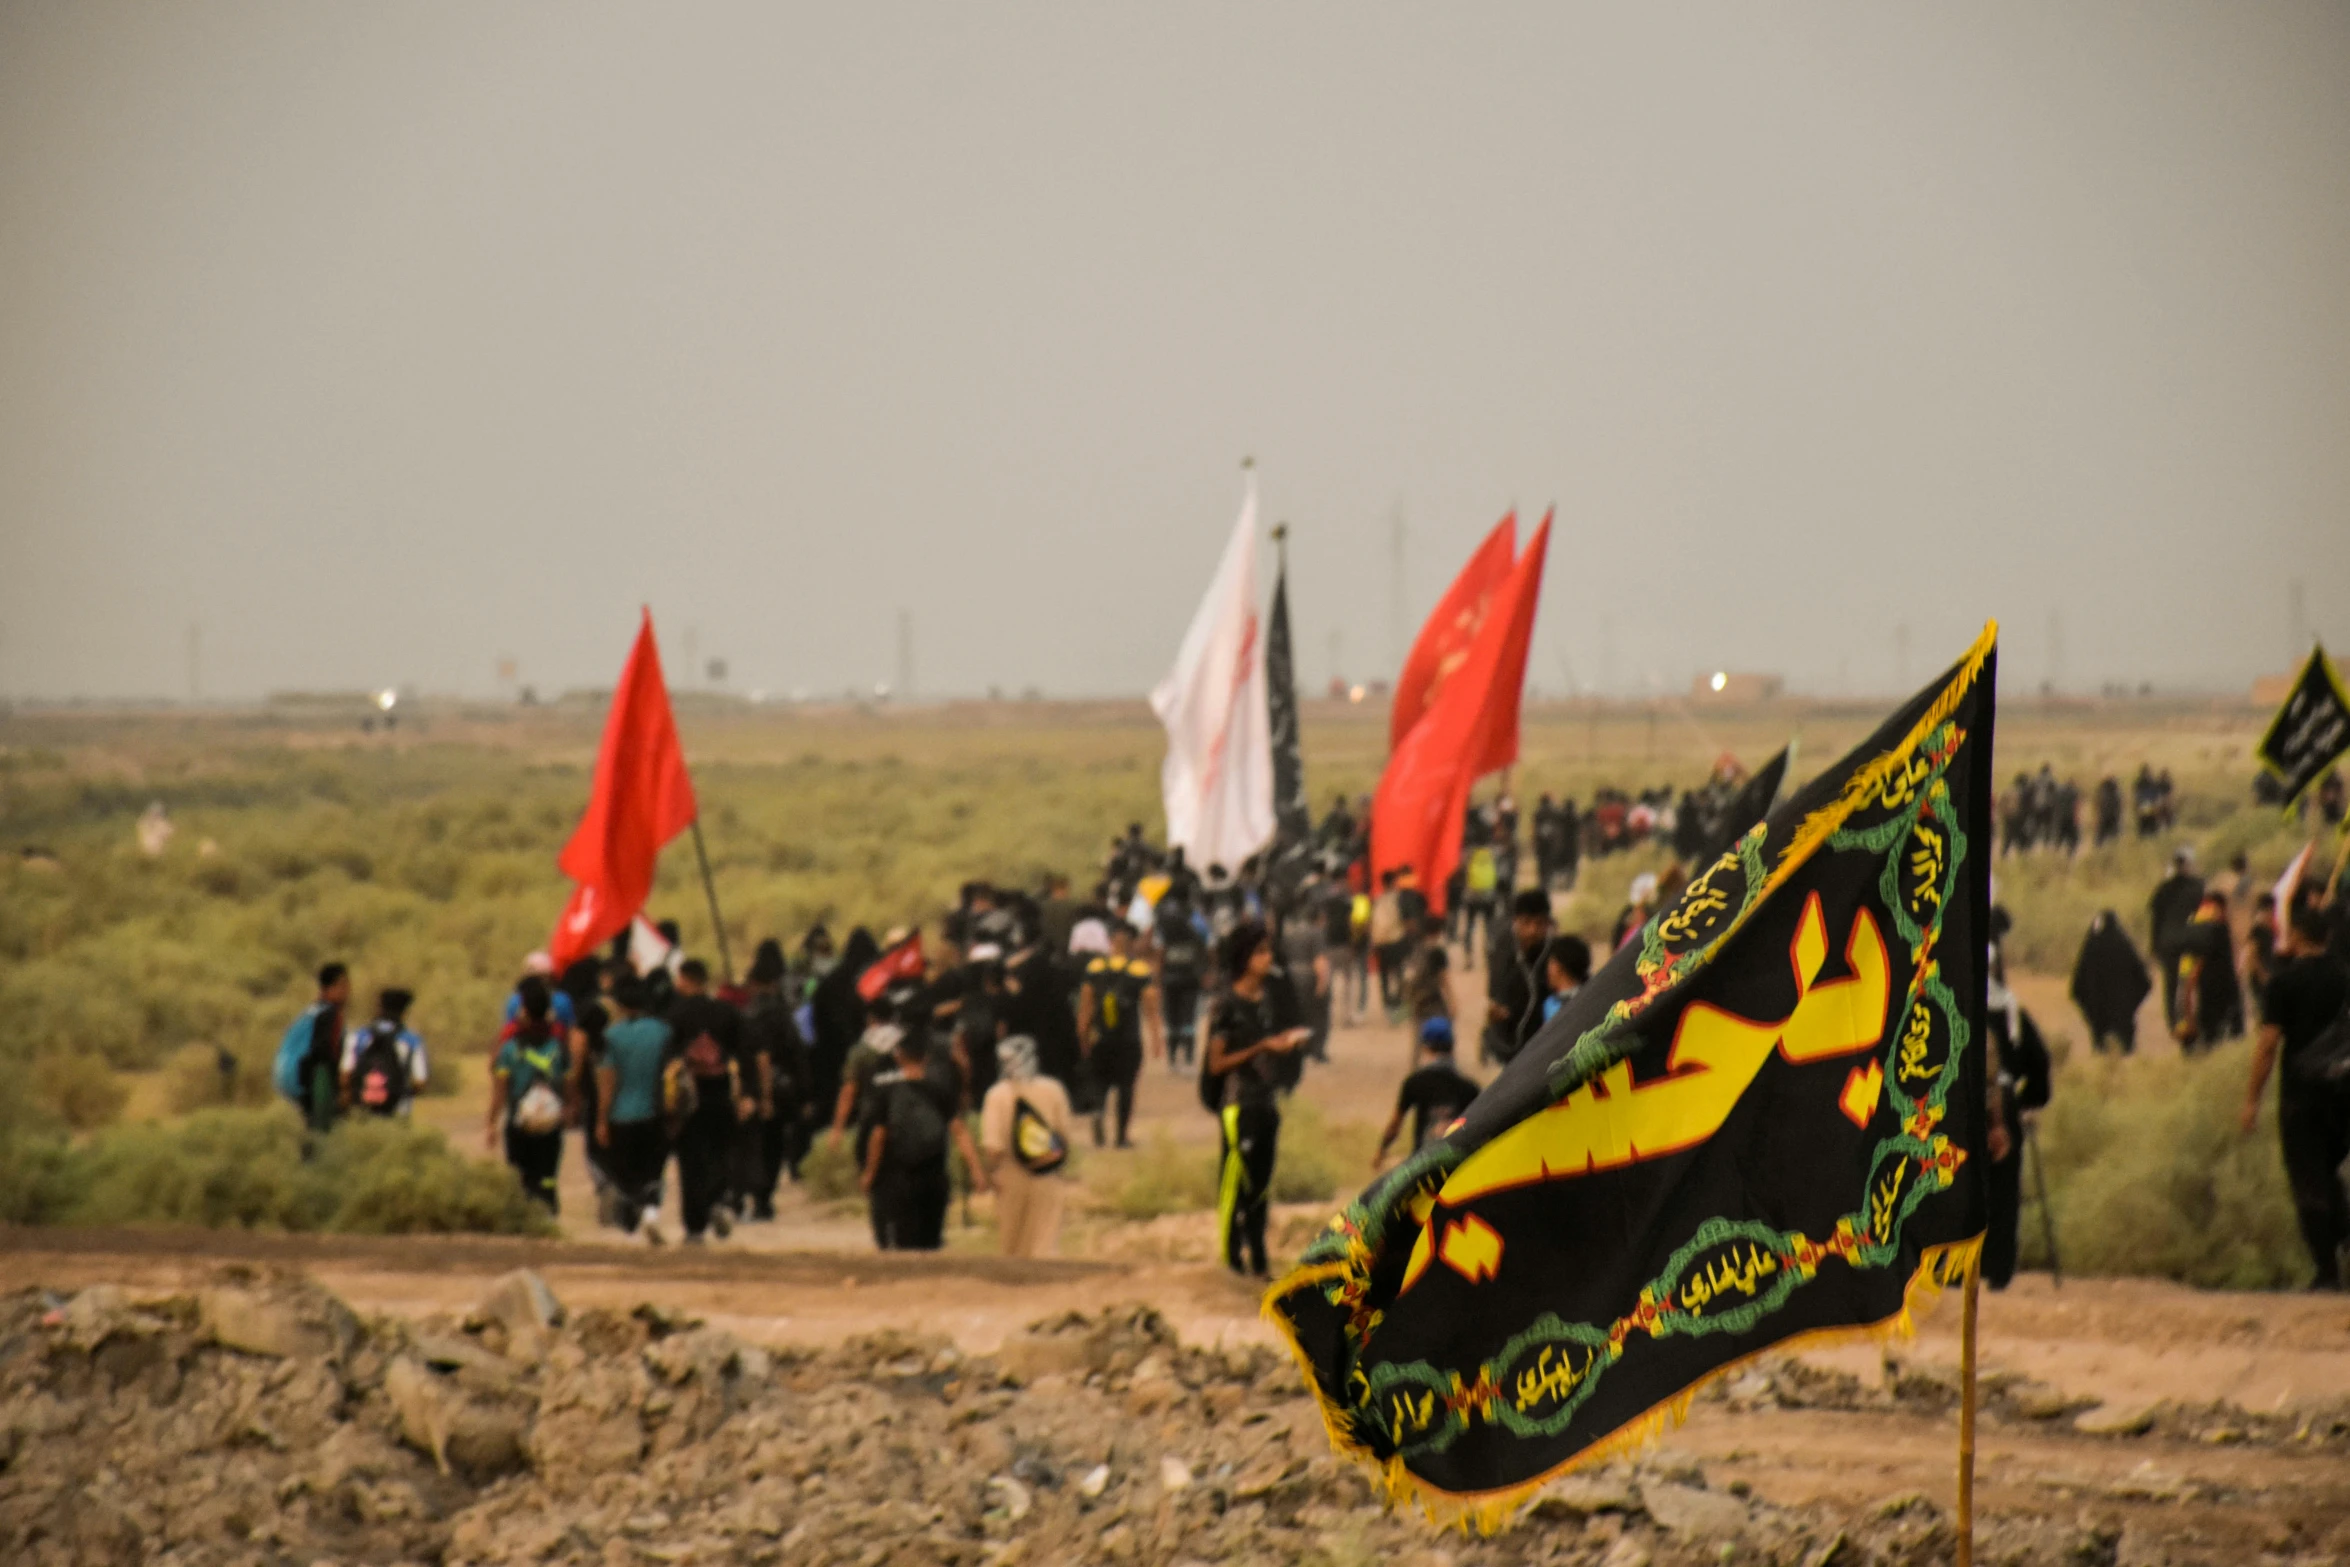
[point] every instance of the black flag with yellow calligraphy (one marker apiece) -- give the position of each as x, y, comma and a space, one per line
2311, 730
1761, 1122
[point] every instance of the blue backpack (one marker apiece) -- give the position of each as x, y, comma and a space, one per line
293, 1048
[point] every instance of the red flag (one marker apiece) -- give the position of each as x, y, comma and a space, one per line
903, 961
1451, 627
642, 799
1424, 793
1501, 739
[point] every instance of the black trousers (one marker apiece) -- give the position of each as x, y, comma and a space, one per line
761, 1149
2313, 1123
1252, 1138
774, 1142
633, 1161
1182, 1009
705, 1160
1391, 956
536, 1156
910, 1207
2004, 1182
1116, 1064
1476, 923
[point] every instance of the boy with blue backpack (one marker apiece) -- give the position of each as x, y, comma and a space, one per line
308, 1071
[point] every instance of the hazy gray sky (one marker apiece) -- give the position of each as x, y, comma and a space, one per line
386, 339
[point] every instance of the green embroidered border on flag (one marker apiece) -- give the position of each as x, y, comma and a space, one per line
1761, 1122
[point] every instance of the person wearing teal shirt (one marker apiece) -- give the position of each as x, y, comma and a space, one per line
629, 1128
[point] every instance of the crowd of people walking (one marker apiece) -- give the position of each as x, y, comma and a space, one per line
986, 1045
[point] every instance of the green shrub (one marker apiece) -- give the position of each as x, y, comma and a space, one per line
1318, 1161
80, 1090
829, 1172
257, 1169
217, 1168
193, 1080
34, 1186
1161, 1176
2148, 1174
391, 1177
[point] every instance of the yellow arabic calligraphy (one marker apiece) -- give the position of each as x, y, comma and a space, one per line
1701, 902
1925, 863
1552, 1378
1901, 783
1914, 1041
1727, 1273
1881, 1201
1407, 1416
1715, 1055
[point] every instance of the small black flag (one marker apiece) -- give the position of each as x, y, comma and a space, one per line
2310, 731
1293, 820
1763, 1120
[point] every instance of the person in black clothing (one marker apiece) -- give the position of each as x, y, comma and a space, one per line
1118, 1003
2168, 913
2309, 995
776, 1135
837, 1015
2110, 984
1516, 986
322, 1064
1435, 1093
2210, 1001
1337, 831
707, 1035
909, 1120
1245, 1045
2108, 810
529, 1095
2020, 1084
1183, 974
977, 1024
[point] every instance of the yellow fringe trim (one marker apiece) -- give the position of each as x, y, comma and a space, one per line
1487, 1512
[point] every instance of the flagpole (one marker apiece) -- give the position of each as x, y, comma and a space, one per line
710, 890
2047, 1215
1966, 1416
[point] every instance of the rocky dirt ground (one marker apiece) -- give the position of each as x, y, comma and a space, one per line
790, 1397
241, 1412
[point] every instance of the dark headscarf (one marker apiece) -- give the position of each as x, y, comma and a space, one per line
839, 1013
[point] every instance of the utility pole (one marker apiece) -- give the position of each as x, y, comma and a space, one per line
905, 655
195, 662
1395, 613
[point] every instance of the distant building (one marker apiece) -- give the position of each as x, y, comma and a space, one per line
2271, 690
1729, 688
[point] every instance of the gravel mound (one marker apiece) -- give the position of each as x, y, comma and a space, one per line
260, 1420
